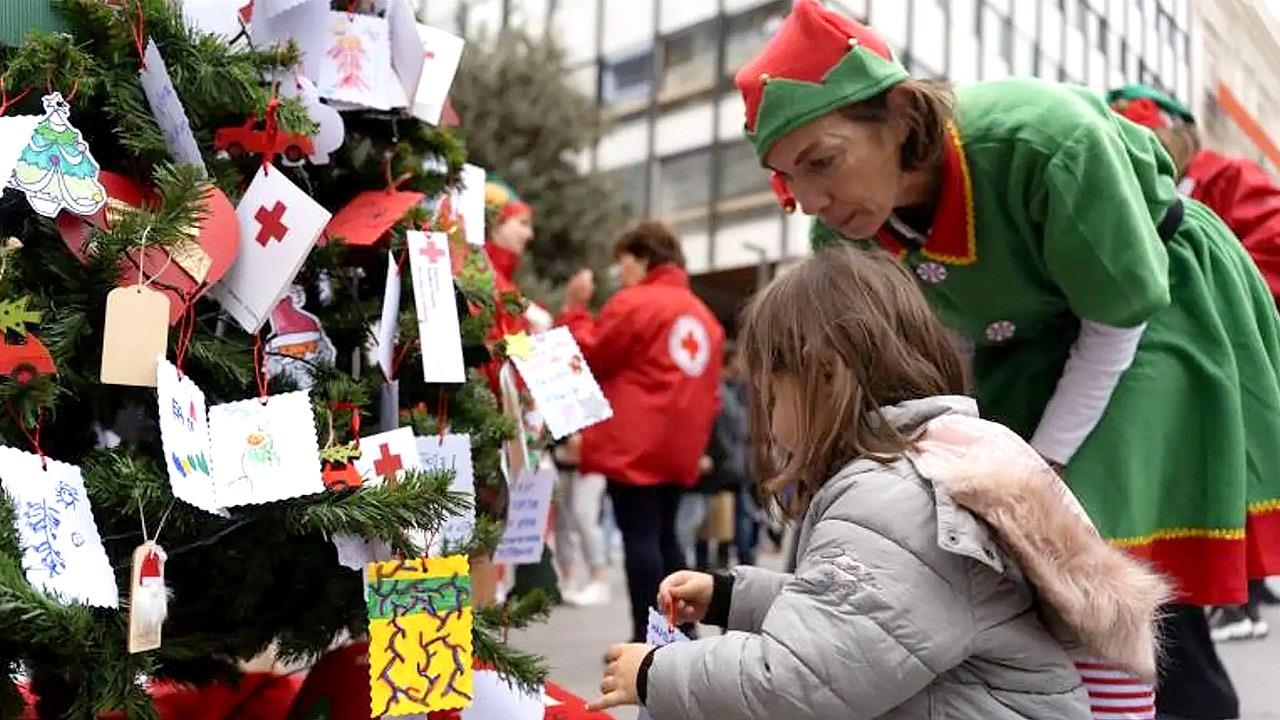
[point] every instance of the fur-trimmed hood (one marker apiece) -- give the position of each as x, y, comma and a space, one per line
1107, 598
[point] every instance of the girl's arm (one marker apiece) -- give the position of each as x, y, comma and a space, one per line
838, 639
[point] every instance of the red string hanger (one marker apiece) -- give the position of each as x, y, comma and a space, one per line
33, 435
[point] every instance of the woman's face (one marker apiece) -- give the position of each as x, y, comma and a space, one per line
514, 234
848, 174
631, 269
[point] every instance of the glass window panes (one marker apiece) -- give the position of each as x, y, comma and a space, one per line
683, 182
689, 60
629, 182
627, 77
740, 171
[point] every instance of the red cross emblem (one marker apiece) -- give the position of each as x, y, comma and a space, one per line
690, 344
271, 224
387, 465
432, 252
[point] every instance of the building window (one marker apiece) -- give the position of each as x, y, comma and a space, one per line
740, 171
1101, 40
683, 182
1006, 40
626, 78
629, 182
689, 60
1082, 12
747, 33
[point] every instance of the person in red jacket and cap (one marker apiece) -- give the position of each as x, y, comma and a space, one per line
1235, 188
656, 350
1248, 200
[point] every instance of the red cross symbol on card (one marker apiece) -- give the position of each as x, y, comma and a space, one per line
271, 223
387, 464
432, 252
690, 344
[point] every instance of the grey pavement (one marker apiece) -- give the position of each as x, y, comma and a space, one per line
574, 641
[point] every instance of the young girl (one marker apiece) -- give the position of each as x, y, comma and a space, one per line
904, 603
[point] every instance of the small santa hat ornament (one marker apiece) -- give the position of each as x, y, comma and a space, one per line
148, 598
288, 317
1149, 107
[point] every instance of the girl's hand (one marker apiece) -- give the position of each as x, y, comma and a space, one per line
689, 593
619, 682
582, 286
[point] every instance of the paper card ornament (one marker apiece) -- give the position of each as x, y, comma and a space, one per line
527, 512
420, 643
184, 434
279, 224
660, 633
148, 598
61, 550
216, 17
384, 458
304, 24
496, 699
56, 170
561, 384
168, 110
471, 203
135, 332
441, 53
406, 53
356, 63
264, 451
15, 133
389, 320
272, 8
438, 332
452, 453
369, 216
298, 343
183, 271
331, 130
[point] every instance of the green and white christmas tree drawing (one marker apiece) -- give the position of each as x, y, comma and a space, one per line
56, 170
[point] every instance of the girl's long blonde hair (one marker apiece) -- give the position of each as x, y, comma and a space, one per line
854, 333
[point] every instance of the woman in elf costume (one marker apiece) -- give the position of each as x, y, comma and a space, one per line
1121, 330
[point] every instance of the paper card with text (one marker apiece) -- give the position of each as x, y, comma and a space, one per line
441, 54
527, 512
168, 110
384, 459
562, 386
452, 452
658, 634
389, 320
438, 333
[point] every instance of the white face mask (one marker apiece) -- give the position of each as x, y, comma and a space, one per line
614, 277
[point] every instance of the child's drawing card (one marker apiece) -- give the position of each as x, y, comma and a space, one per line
184, 434
61, 550
563, 388
420, 644
527, 513
356, 61
264, 450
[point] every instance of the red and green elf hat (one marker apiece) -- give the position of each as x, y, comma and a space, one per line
1149, 107
501, 203
818, 61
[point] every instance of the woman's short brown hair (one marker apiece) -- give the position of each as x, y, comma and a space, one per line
924, 106
853, 332
651, 241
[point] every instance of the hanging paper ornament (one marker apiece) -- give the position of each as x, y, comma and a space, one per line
24, 357
298, 343
56, 170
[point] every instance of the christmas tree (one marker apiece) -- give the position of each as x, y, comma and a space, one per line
263, 575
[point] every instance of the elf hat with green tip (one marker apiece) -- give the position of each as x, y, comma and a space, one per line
1148, 106
817, 62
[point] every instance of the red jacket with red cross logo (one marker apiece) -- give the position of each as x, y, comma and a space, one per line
1247, 199
656, 350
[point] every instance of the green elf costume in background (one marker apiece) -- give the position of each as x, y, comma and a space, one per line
1121, 330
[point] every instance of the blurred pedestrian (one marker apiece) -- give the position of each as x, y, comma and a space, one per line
579, 500
656, 351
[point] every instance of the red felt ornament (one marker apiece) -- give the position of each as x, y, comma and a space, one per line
338, 476
370, 215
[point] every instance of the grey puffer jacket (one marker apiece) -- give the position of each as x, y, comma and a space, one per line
903, 606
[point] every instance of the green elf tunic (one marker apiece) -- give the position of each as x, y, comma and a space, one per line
1047, 215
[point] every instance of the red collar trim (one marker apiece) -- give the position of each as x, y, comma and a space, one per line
667, 274
952, 238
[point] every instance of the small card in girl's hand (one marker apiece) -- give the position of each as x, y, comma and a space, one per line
660, 632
